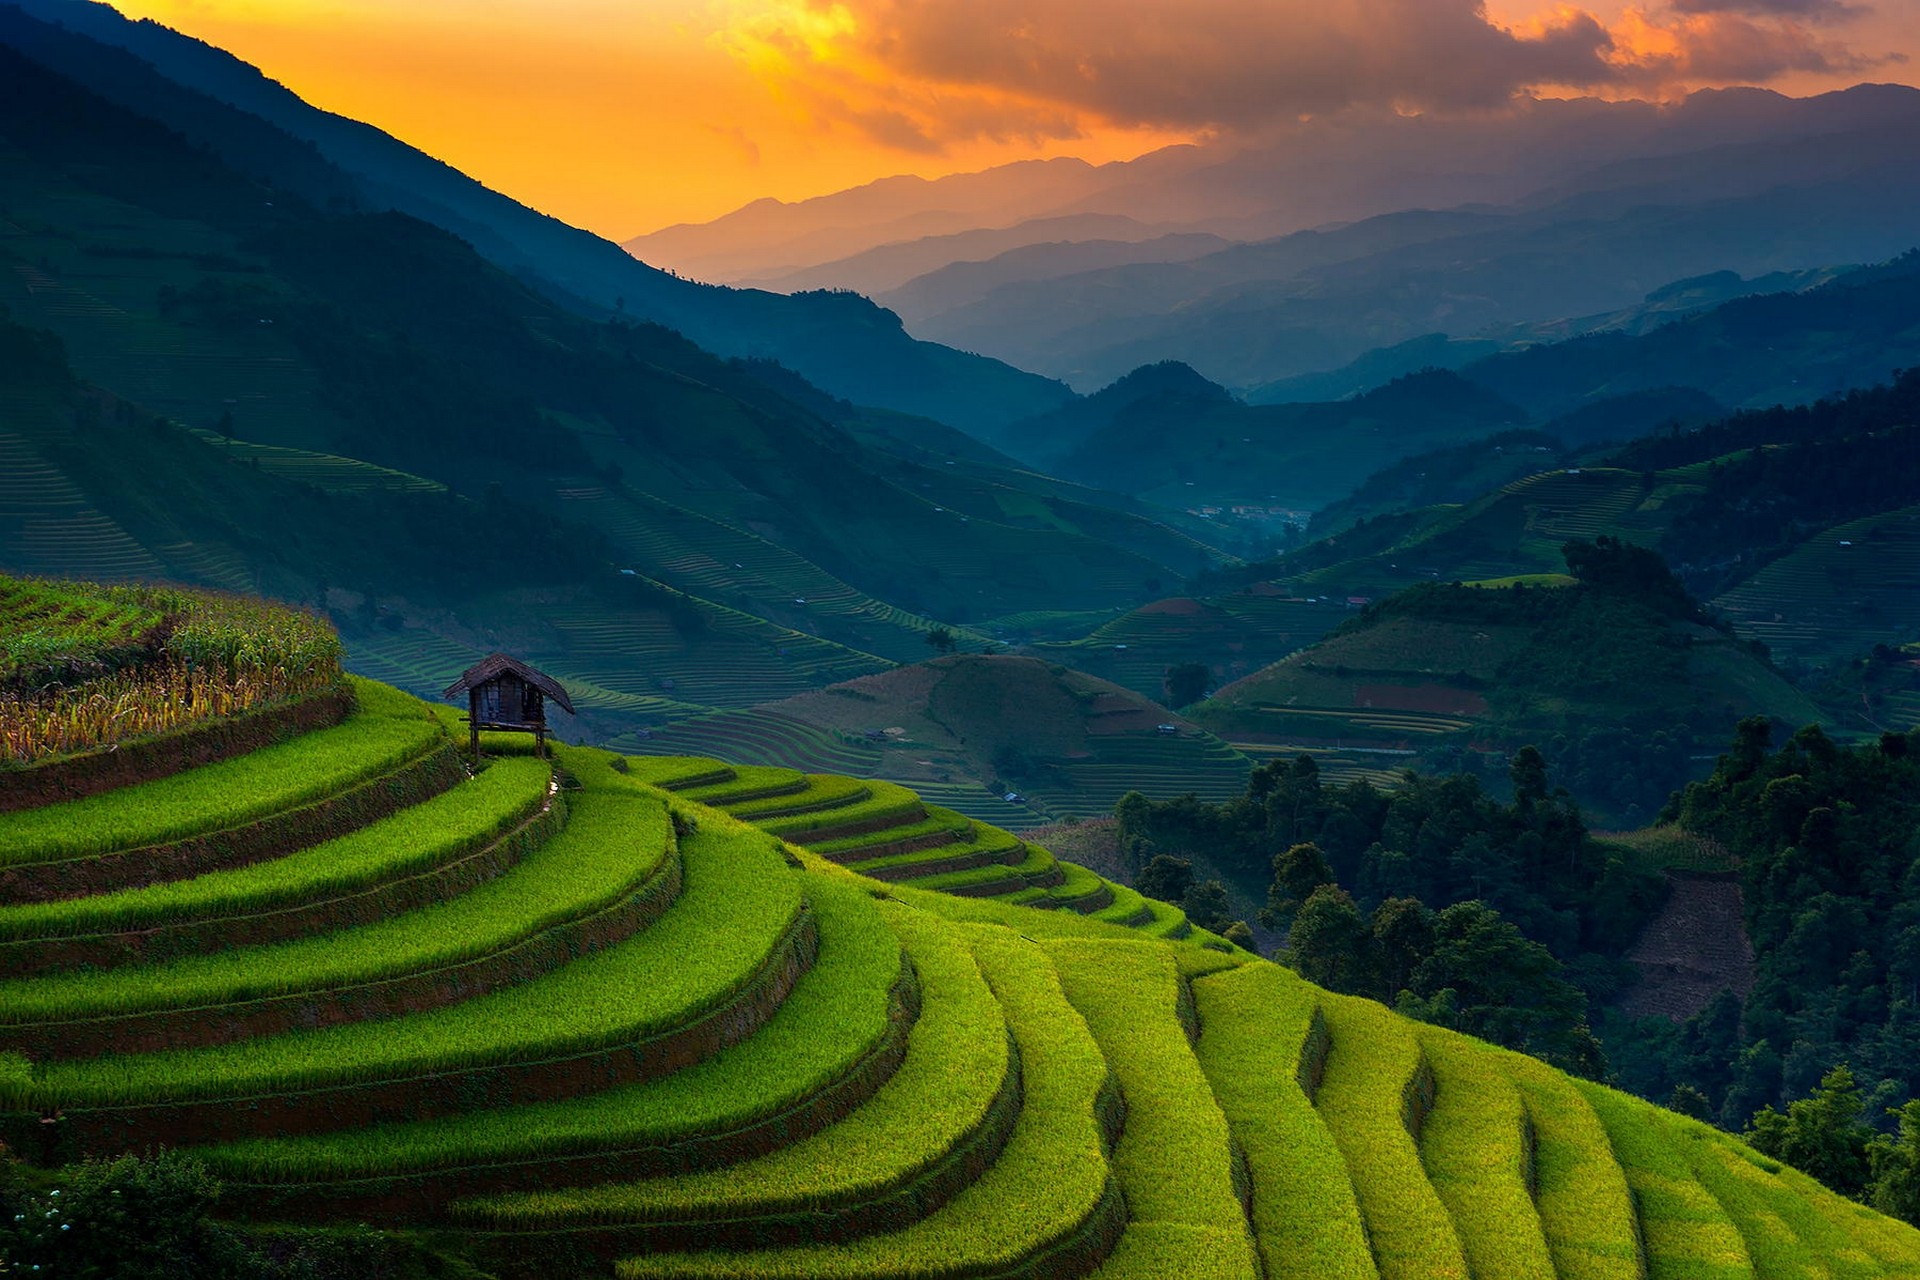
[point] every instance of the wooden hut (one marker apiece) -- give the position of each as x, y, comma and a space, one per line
506, 694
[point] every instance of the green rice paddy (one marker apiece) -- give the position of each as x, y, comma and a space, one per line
939, 1085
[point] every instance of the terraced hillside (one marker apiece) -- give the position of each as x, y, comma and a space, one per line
1853, 581
580, 1024
1438, 670
1066, 743
1232, 635
886, 832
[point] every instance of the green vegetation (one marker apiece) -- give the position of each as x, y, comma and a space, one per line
1477, 1145
1175, 1157
613, 997
611, 847
1257, 1035
1048, 1182
84, 666
1822, 837
932, 1085
1612, 670
1687, 1231
956, 1069
833, 1018
410, 842
1586, 1210
1370, 1100
387, 731
1451, 890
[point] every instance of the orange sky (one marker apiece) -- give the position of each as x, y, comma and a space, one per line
626, 115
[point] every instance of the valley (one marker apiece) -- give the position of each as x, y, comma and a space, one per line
1340, 699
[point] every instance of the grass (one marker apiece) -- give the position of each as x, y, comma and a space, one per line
1050, 1178
1036, 864
1475, 1145
1255, 1021
1175, 1158
832, 1018
823, 791
849, 849
733, 908
1586, 1210
957, 1059
1156, 1250
680, 774
750, 782
1374, 1056
411, 841
388, 730
1669, 848
885, 802
977, 838
1687, 1232
1778, 1227
611, 846
48, 628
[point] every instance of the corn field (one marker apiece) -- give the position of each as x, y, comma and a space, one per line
84, 666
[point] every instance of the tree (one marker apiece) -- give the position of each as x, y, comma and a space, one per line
1187, 683
1240, 936
1296, 874
1689, 1101
1166, 878
1207, 907
1896, 1167
1402, 939
1820, 1135
941, 640
1528, 771
1507, 989
1329, 941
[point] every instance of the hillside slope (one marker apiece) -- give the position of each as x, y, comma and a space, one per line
678, 1046
508, 456
1066, 743
1574, 667
849, 345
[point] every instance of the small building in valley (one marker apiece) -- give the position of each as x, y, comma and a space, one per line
507, 695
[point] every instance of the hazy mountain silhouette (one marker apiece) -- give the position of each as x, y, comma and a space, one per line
849, 346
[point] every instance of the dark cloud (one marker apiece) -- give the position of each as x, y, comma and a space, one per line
918, 74
1226, 63
1805, 10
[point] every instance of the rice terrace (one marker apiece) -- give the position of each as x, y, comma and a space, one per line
946, 641
666, 1016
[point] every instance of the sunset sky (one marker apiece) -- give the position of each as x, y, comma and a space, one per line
627, 115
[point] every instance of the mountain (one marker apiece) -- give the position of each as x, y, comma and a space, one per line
1609, 664
1166, 433
1670, 302
1068, 743
1335, 168
1554, 211
846, 345
303, 386
1254, 314
1086, 241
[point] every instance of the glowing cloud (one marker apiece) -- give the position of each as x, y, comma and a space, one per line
921, 74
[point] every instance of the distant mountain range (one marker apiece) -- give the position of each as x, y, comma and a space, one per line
1687, 353
1349, 234
845, 344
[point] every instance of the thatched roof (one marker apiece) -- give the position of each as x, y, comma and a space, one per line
495, 665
